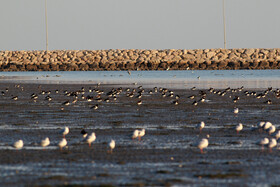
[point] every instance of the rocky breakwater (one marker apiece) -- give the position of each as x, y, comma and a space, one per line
134, 59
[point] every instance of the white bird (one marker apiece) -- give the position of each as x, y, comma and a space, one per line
111, 145
90, 138
272, 143
45, 142
202, 144
200, 126
141, 134
62, 143
277, 135
135, 134
267, 125
64, 131
263, 142
18, 144
238, 127
271, 129
260, 124
235, 110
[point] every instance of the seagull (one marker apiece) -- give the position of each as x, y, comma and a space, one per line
141, 134
235, 111
267, 125
90, 138
18, 144
260, 124
45, 142
239, 127
272, 143
200, 126
135, 134
277, 135
111, 145
271, 129
62, 143
263, 142
202, 144
64, 131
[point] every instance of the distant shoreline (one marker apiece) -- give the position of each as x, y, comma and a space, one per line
136, 59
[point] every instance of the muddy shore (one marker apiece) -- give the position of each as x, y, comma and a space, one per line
165, 156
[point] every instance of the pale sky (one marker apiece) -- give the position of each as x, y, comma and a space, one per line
138, 24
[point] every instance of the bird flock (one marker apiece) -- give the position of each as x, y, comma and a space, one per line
89, 139
101, 96
262, 127
266, 127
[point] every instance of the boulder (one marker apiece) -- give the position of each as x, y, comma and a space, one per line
210, 54
249, 52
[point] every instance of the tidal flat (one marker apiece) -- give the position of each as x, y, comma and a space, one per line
166, 156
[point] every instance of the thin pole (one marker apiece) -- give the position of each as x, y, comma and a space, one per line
224, 19
47, 43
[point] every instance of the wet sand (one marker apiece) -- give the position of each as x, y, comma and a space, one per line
165, 156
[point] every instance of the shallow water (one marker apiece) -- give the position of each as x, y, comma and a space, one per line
172, 79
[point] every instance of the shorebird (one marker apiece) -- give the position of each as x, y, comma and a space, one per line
34, 96
15, 98
235, 110
90, 138
238, 127
135, 134
139, 102
84, 133
18, 144
202, 100
267, 125
95, 107
111, 145
195, 103
271, 129
277, 135
263, 142
236, 98
64, 131
48, 98
272, 143
200, 126
66, 103
269, 102
176, 102
62, 143
202, 144
45, 142
141, 134
191, 97
260, 124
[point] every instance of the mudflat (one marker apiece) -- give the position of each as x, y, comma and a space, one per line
167, 155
